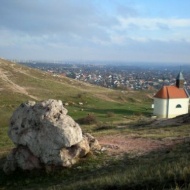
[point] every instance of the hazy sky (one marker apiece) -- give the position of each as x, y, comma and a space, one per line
115, 30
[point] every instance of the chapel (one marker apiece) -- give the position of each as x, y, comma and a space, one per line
171, 101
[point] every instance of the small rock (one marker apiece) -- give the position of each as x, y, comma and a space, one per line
103, 149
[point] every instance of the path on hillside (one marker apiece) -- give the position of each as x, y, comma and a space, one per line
15, 87
121, 144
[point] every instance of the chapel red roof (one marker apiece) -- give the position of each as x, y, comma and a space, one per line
171, 92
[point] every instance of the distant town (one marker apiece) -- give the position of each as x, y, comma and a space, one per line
116, 76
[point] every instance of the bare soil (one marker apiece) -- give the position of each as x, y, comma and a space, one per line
121, 144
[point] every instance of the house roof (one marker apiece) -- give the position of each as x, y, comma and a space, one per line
171, 92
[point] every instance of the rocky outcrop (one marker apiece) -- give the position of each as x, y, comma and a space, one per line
45, 135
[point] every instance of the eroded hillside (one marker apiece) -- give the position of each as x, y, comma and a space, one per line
19, 84
39, 85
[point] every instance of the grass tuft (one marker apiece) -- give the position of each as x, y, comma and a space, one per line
88, 120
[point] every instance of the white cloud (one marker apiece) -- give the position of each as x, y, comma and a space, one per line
118, 39
14, 38
145, 29
83, 28
153, 23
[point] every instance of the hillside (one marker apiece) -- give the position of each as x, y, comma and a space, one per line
132, 142
19, 84
38, 85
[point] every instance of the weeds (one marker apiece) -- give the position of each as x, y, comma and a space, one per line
88, 120
110, 114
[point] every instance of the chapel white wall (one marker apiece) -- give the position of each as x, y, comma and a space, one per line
173, 111
166, 108
160, 106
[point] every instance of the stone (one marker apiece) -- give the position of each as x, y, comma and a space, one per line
23, 158
93, 142
45, 135
71, 155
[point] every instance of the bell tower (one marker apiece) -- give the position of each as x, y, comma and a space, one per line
180, 80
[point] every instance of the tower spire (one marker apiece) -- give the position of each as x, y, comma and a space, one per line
180, 80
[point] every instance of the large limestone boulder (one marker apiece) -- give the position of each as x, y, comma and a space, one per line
45, 135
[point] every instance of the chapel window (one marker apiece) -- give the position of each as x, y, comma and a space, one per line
178, 106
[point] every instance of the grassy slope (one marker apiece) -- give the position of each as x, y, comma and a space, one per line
171, 170
96, 100
161, 169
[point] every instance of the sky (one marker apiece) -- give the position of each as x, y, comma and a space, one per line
96, 30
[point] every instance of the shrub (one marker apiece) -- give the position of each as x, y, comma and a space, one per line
89, 119
110, 114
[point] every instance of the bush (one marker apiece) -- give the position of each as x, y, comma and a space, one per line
89, 119
110, 114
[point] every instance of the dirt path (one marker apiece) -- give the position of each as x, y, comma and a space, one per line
13, 86
121, 144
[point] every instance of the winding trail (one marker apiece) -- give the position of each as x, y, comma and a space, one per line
15, 87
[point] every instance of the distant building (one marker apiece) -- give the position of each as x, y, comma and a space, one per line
171, 101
